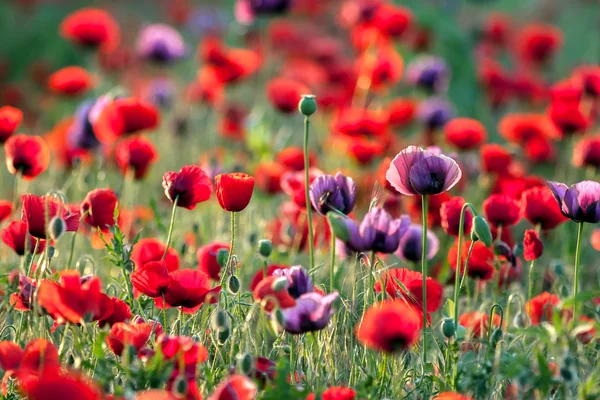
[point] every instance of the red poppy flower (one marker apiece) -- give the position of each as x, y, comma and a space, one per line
285, 94
538, 206
513, 186
587, 152
10, 358
175, 346
91, 27
5, 210
392, 21
540, 151
478, 322
335, 393
61, 386
568, 116
521, 128
480, 263
268, 176
228, 65
293, 184
15, 235
237, 387
360, 122
496, 82
434, 205
98, 208
234, 191
364, 151
232, 124
451, 396
264, 292
260, 274
384, 69
292, 158
40, 359
119, 312
27, 156
533, 246
207, 259
495, 159
450, 216
390, 326
537, 43
496, 29
10, 119
189, 186
122, 335
398, 280
189, 289
70, 81
70, 300
501, 210
151, 278
590, 76
135, 154
401, 112
465, 133
34, 214
147, 250
23, 299
540, 307
125, 116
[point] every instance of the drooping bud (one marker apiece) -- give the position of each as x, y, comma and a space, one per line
308, 105
265, 247
496, 336
223, 335
521, 320
481, 231
338, 226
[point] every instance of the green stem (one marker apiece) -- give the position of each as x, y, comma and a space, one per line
231, 246
311, 245
530, 293
171, 227
35, 249
332, 269
164, 314
292, 366
424, 273
180, 324
458, 253
576, 277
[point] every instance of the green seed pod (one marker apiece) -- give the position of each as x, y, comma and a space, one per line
220, 320
279, 317
129, 266
265, 247
234, 284
448, 328
180, 385
245, 363
252, 237
279, 284
480, 230
222, 257
308, 105
338, 226
223, 335
51, 251
56, 227
521, 320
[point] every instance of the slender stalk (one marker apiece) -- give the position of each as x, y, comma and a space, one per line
180, 324
292, 362
530, 293
171, 227
35, 249
424, 273
311, 244
576, 277
231, 246
332, 268
457, 273
164, 314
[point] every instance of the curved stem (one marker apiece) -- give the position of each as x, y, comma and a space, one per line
461, 229
576, 277
424, 273
530, 292
171, 227
311, 244
495, 307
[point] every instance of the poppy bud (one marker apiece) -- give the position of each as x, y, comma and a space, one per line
180, 386
566, 374
234, 191
448, 327
222, 257
56, 227
245, 363
265, 247
521, 320
279, 317
495, 337
558, 268
129, 265
280, 284
339, 228
307, 105
220, 320
51, 250
233, 284
481, 231
223, 335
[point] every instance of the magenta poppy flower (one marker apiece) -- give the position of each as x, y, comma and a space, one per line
580, 202
415, 171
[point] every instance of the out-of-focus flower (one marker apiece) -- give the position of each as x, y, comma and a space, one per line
38, 210
285, 94
522, 128
580, 202
495, 159
70, 81
401, 112
539, 206
390, 326
541, 307
123, 116
415, 171
537, 43
311, 312
465, 133
207, 259
298, 279
496, 29
480, 262
62, 385
410, 244
450, 216
501, 210
15, 236
189, 186
10, 119
402, 283
160, 43
123, 335
235, 387
98, 208
435, 112
265, 292
227, 65
23, 300
27, 156
478, 323
293, 184
590, 75
91, 27
429, 73
587, 152
234, 191
533, 246
377, 232
451, 396
135, 154
333, 193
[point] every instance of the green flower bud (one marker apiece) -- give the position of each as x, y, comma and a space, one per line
56, 227
308, 105
279, 317
496, 336
51, 251
220, 320
448, 328
338, 226
480, 230
180, 385
280, 284
222, 257
234, 284
245, 363
265, 247
223, 335
521, 320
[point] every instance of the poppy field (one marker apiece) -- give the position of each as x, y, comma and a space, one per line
300, 199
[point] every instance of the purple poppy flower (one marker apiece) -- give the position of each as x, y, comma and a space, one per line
160, 43
333, 193
160, 92
377, 232
430, 73
299, 279
81, 134
410, 244
435, 112
415, 171
580, 202
269, 7
311, 313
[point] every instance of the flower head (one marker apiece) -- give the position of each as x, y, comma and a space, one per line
580, 202
234, 191
160, 43
37, 210
410, 244
135, 154
333, 193
189, 186
538, 207
10, 119
91, 27
429, 73
98, 208
311, 312
28, 156
377, 232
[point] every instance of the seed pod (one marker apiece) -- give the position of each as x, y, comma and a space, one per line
265, 247
234, 284
495, 337
307, 105
180, 385
448, 327
521, 320
480, 230
279, 317
56, 227
222, 257
245, 363
223, 335
338, 226
220, 320
51, 251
